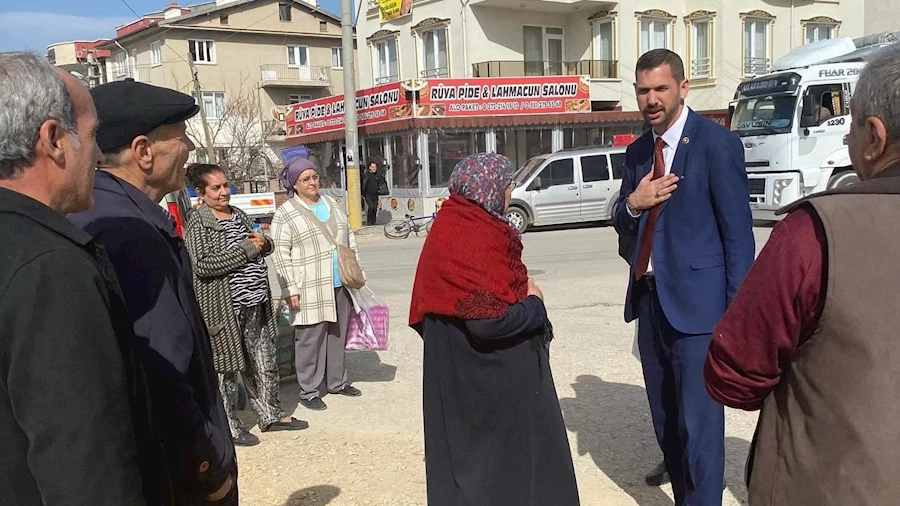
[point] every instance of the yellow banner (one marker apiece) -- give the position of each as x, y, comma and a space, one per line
393, 9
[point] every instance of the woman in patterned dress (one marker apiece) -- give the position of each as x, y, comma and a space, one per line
232, 285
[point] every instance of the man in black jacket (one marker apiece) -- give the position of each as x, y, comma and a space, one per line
145, 146
374, 184
73, 419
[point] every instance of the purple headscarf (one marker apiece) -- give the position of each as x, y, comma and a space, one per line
292, 171
483, 179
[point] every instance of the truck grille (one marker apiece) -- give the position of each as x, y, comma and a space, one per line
757, 190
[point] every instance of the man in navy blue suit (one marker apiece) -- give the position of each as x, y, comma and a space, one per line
684, 207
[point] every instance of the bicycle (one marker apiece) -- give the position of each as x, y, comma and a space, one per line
400, 229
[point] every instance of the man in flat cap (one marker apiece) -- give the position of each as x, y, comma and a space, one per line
145, 147
71, 393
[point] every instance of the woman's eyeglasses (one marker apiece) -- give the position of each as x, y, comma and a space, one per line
307, 179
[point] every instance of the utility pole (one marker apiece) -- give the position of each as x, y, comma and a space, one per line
354, 200
210, 151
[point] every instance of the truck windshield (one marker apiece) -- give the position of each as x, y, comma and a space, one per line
766, 114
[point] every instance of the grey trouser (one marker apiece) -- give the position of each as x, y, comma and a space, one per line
319, 351
261, 376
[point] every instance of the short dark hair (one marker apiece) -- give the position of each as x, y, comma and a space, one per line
658, 57
197, 172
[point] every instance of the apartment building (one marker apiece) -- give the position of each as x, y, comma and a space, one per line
252, 58
80, 58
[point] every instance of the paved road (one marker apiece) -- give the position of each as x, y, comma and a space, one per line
369, 450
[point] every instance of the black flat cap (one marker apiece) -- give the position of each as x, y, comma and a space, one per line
127, 109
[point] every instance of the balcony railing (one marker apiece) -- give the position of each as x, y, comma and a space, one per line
386, 79
140, 73
700, 68
296, 75
596, 69
756, 66
435, 73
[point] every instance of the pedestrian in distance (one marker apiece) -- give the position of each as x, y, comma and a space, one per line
811, 337
75, 424
494, 432
684, 207
231, 280
145, 147
307, 230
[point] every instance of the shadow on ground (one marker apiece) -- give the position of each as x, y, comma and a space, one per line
319, 495
612, 422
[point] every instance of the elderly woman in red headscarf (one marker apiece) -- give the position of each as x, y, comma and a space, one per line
494, 432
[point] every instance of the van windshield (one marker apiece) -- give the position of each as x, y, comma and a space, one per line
525, 170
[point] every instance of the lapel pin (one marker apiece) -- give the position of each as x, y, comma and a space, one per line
685, 140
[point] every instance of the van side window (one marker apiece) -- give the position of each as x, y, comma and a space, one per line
559, 172
593, 168
618, 164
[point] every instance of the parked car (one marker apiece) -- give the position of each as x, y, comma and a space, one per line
568, 186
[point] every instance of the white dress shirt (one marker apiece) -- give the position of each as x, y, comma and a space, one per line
671, 138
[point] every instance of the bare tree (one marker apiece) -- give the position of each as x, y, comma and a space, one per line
238, 134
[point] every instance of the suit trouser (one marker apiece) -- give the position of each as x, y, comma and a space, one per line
319, 350
261, 376
371, 209
689, 425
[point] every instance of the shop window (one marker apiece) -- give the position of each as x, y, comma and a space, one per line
404, 161
580, 137
507, 145
538, 142
445, 150
328, 157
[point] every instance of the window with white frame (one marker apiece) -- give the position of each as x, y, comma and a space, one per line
298, 56
156, 53
756, 46
433, 53
121, 66
700, 34
213, 103
202, 51
337, 57
603, 44
284, 11
544, 51
822, 28
298, 98
386, 66
655, 30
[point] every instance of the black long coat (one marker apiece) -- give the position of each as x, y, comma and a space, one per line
155, 273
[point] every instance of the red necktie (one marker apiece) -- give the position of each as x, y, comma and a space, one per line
659, 169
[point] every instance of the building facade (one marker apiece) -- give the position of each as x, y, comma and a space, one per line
252, 59
82, 59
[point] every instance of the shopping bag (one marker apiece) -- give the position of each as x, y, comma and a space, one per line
368, 325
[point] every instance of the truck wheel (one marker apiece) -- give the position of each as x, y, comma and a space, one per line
843, 179
518, 218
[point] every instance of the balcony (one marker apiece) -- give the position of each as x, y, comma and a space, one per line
701, 68
140, 73
549, 6
756, 66
434, 73
595, 69
275, 75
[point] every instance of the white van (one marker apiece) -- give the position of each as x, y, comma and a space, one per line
568, 186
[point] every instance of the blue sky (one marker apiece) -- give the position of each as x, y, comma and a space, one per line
32, 25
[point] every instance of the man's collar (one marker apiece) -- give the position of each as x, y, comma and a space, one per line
105, 180
13, 202
673, 134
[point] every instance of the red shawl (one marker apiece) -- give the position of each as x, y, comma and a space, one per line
470, 266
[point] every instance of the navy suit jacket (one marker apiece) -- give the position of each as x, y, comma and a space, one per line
154, 271
703, 243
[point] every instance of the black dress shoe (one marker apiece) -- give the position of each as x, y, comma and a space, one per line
246, 439
349, 391
658, 476
294, 424
314, 404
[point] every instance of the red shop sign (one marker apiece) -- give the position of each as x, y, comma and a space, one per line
373, 105
504, 96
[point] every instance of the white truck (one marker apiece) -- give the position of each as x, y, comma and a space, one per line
793, 121
256, 205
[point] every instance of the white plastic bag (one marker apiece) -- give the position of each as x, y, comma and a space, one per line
369, 323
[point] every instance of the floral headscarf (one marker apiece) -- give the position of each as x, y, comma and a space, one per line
483, 179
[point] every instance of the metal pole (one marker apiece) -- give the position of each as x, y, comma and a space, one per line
210, 151
352, 195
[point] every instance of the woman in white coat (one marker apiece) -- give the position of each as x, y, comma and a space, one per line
307, 267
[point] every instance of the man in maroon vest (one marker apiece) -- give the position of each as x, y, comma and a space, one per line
811, 336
